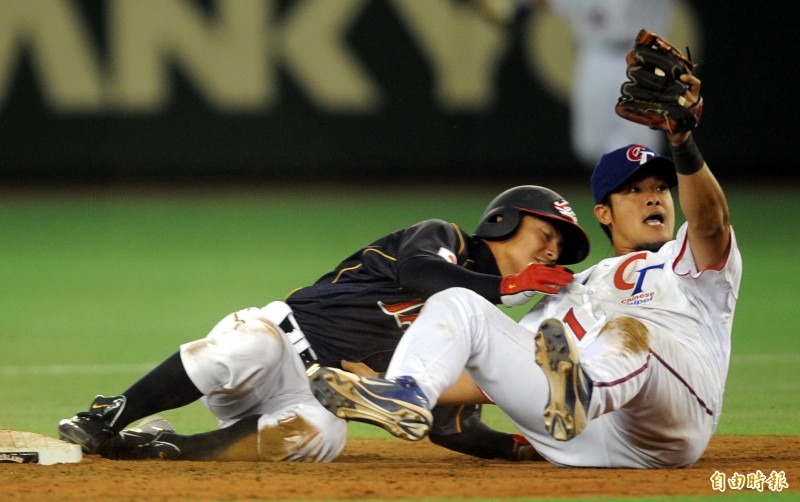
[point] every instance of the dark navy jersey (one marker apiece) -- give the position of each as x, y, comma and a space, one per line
359, 310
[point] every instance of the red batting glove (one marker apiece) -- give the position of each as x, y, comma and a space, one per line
535, 278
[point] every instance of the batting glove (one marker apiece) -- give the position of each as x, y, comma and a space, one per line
517, 289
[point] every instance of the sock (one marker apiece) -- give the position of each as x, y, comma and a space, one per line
214, 445
166, 387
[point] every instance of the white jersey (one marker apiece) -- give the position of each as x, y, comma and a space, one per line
651, 408
689, 315
662, 289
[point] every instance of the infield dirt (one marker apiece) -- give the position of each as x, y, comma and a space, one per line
392, 469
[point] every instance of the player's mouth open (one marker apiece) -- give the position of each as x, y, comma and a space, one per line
654, 219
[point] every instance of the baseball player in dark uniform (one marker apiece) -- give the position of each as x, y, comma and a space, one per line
250, 369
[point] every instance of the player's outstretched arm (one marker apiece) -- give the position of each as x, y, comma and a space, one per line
701, 198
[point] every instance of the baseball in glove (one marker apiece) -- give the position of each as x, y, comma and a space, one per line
653, 93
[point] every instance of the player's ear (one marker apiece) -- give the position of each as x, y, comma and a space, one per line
603, 214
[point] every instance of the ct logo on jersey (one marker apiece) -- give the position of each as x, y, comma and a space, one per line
404, 313
628, 277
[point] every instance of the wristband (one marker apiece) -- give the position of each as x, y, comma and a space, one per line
687, 157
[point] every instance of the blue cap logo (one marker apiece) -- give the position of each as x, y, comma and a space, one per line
640, 154
617, 166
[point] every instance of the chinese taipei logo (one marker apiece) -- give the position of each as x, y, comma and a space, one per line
639, 153
633, 280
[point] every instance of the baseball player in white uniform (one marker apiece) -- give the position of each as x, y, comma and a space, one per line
631, 357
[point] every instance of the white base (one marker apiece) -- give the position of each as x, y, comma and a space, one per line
19, 447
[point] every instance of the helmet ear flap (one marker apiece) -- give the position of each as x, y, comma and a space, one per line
500, 223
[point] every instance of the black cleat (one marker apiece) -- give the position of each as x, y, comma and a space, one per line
145, 441
94, 428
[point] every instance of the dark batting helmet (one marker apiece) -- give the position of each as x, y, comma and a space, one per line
503, 215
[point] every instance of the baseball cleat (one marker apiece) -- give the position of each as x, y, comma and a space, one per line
570, 387
94, 428
398, 405
144, 441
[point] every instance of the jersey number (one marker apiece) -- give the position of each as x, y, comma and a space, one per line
572, 321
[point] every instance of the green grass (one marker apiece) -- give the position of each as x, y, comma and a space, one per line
96, 288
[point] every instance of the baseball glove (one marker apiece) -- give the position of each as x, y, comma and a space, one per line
653, 93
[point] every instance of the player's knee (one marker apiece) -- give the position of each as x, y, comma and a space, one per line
306, 433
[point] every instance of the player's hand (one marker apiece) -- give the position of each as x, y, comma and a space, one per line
517, 289
689, 99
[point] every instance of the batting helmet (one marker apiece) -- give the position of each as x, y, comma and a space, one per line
503, 215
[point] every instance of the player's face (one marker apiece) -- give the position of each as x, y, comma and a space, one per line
641, 215
535, 241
